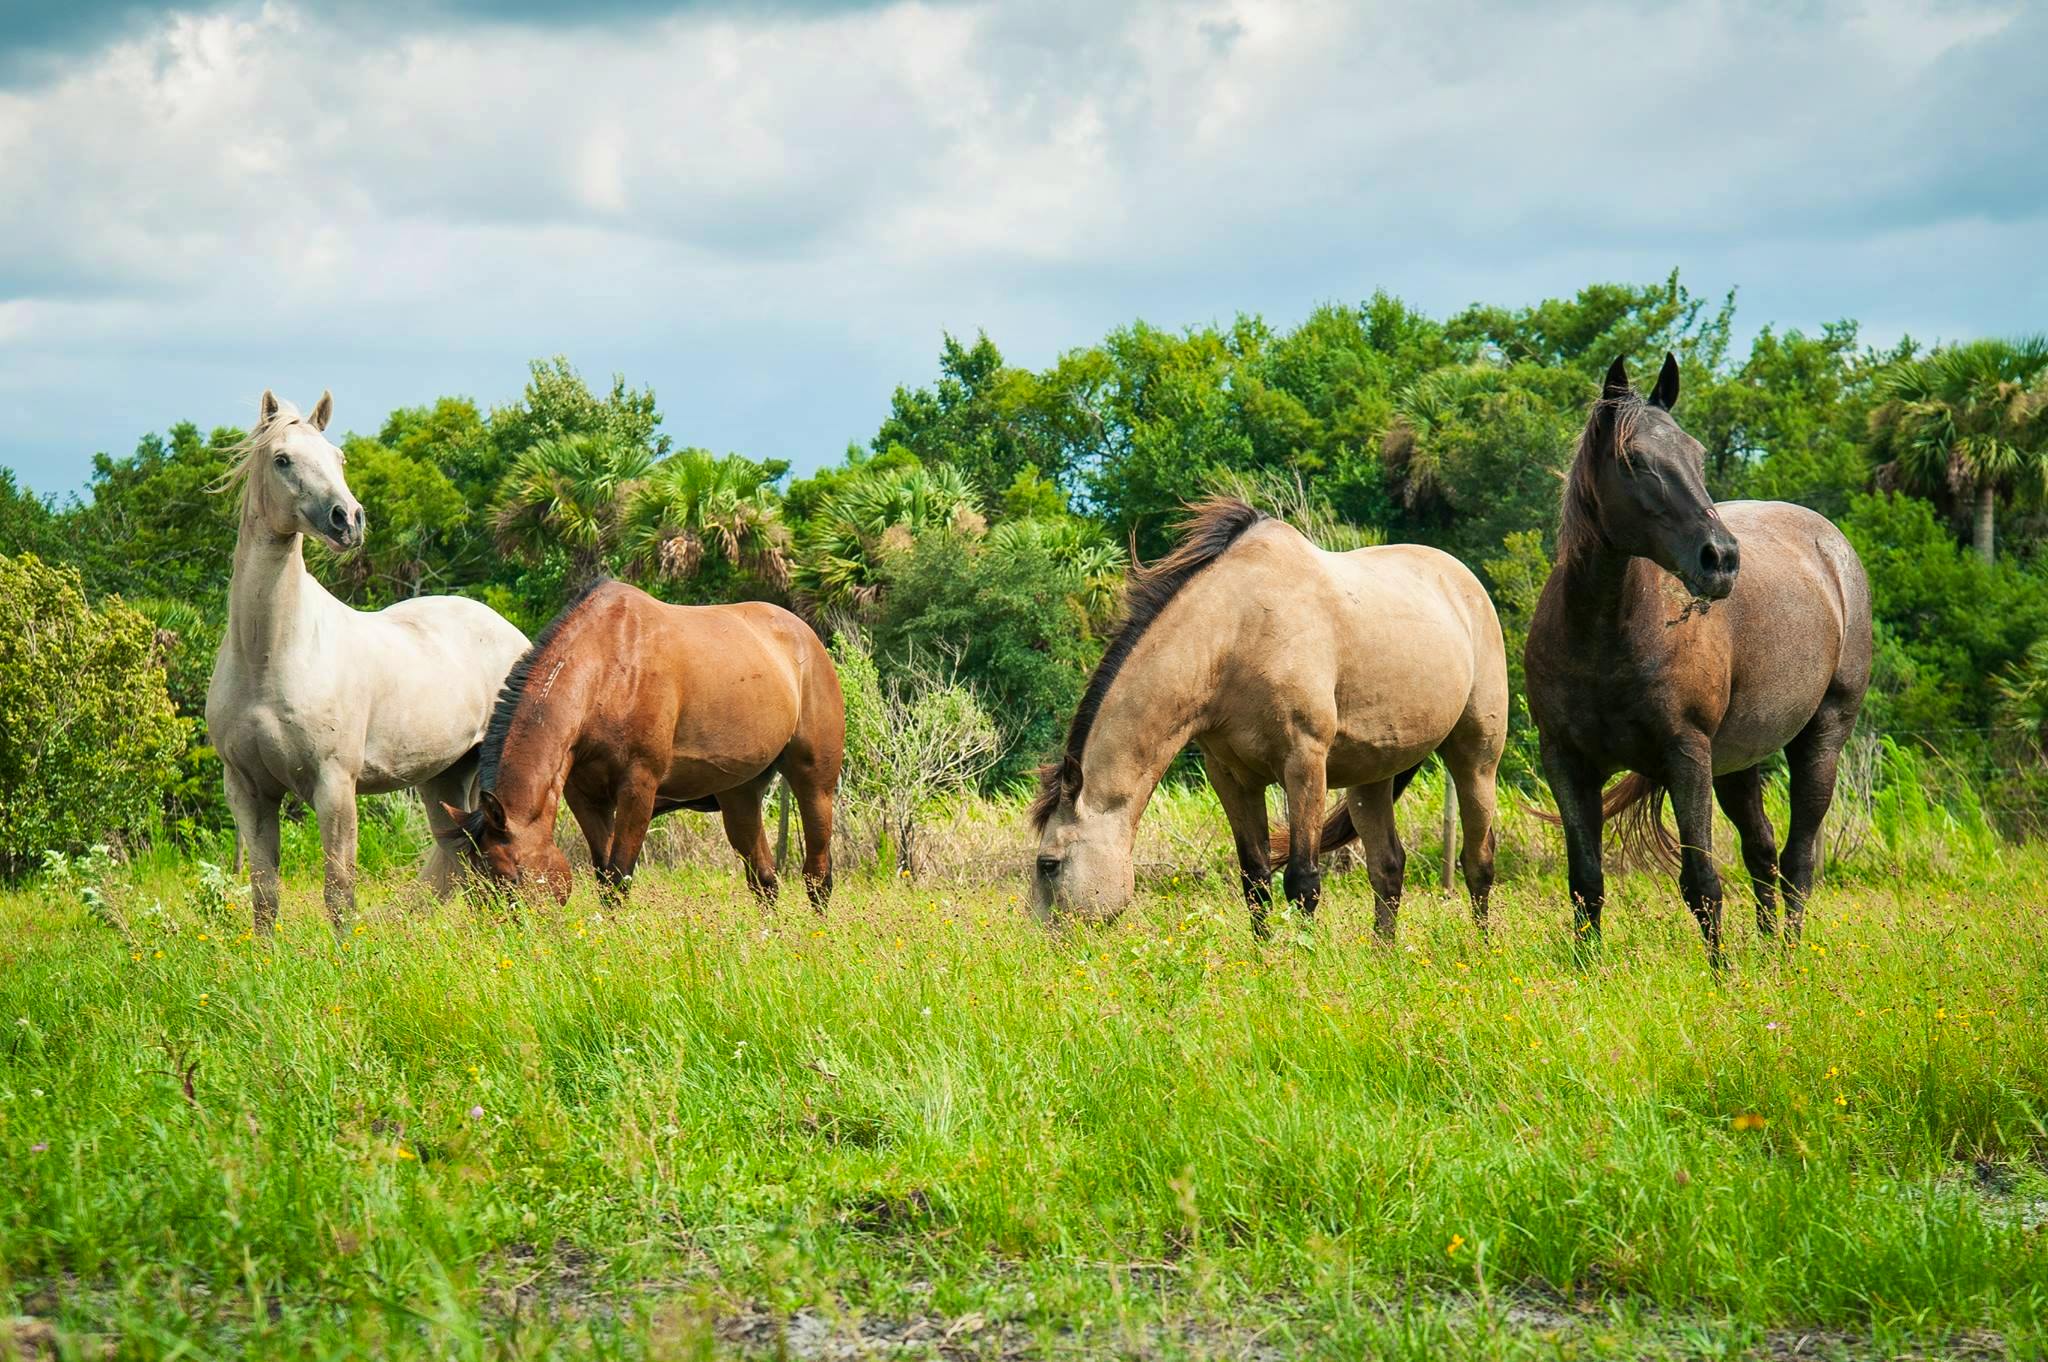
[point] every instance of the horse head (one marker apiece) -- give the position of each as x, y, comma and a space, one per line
513, 858
1639, 486
294, 475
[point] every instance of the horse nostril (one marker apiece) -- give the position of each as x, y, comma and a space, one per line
340, 518
1718, 558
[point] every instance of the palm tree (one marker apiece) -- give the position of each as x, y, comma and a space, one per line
1095, 566
1966, 422
1413, 447
2023, 700
693, 507
571, 491
875, 517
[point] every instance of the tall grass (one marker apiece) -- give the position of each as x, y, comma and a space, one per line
464, 1133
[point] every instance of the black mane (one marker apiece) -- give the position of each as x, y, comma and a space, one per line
514, 688
1578, 521
1213, 527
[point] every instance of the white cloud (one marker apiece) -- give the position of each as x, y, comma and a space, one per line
771, 215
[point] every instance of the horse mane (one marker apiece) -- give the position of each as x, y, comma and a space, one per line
1211, 528
514, 689
1578, 521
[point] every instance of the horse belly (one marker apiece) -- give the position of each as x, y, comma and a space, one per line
1395, 722
1756, 726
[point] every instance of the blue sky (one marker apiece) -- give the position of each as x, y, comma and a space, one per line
771, 212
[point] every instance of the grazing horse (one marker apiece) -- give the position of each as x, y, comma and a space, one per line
1284, 664
312, 698
628, 708
1686, 642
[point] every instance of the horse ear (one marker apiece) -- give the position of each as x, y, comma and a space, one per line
494, 812
1070, 776
323, 411
266, 410
1617, 381
1665, 394
460, 818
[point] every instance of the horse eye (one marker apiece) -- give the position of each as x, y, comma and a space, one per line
282, 461
1048, 867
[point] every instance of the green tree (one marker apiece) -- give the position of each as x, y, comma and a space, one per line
871, 519
89, 742
1963, 422
571, 492
558, 404
28, 524
696, 513
1586, 331
1007, 616
988, 419
1947, 621
153, 524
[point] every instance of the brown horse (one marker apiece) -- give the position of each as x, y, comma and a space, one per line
629, 708
1686, 642
1288, 665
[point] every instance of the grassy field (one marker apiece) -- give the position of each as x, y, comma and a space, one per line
924, 1124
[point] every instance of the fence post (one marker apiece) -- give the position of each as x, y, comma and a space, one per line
781, 824
1450, 829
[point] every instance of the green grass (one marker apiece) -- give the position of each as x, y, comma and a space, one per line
694, 1125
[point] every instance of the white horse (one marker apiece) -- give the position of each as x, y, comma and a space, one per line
312, 698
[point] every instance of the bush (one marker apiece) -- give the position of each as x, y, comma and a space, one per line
1948, 623
909, 740
89, 741
1011, 615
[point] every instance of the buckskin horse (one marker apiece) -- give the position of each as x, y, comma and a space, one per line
1685, 643
1284, 664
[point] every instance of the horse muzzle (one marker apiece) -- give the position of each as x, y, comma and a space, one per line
1712, 572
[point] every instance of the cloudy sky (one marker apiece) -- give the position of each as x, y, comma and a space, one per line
771, 212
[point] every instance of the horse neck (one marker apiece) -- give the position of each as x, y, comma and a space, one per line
533, 759
1595, 580
270, 593
1148, 716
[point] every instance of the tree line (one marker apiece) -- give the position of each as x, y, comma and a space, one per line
985, 527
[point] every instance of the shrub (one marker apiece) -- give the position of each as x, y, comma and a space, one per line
89, 741
1012, 615
909, 740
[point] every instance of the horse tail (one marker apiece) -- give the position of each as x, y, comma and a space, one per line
1338, 830
1635, 806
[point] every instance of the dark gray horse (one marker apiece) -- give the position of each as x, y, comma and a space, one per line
1685, 642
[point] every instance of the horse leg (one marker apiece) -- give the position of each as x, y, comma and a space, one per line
814, 810
632, 811
748, 833
457, 786
1689, 776
1576, 787
594, 819
1306, 780
256, 834
1244, 805
1379, 841
1474, 776
1813, 757
334, 801
1741, 794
